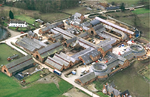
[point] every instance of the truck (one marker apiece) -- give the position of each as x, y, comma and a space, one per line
57, 72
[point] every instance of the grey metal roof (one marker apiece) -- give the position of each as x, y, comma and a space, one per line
71, 40
61, 60
87, 77
51, 49
83, 34
106, 47
97, 27
28, 44
54, 63
63, 55
86, 56
19, 63
59, 23
81, 53
95, 22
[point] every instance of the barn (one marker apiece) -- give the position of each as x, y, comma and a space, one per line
18, 65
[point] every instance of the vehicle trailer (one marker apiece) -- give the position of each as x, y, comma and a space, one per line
57, 72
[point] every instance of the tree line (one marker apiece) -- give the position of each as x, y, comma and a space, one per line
45, 6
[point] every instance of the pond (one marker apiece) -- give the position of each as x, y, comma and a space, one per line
3, 33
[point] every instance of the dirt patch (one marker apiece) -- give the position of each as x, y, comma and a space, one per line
75, 93
30, 70
92, 87
51, 78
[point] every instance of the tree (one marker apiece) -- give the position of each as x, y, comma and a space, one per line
11, 15
122, 7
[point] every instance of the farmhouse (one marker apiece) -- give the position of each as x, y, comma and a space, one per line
43, 53
110, 90
16, 23
18, 65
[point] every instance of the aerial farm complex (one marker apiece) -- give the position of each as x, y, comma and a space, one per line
90, 49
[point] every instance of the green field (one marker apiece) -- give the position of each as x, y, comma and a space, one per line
5, 52
102, 95
33, 77
25, 18
82, 10
129, 79
141, 11
10, 88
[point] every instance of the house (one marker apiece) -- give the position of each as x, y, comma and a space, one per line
110, 90
18, 65
16, 23
31, 35
43, 53
31, 45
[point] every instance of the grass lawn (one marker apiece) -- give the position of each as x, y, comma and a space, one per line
128, 79
141, 11
33, 77
82, 10
127, 2
25, 18
102, 95
10, 88
52, 17
5, 52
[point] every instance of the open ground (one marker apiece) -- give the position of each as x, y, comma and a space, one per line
5, 52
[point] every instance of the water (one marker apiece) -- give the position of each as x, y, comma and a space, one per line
3, 33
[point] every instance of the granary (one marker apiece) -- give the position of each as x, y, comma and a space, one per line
86, 79
72, 60
54, 63
90, 56
110, 90
96, 29
31, 45
60, 61
65, 34
31, 35
56, 37
43, 53
70, 42
60, 24
16, 23
18, 65
47, 28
